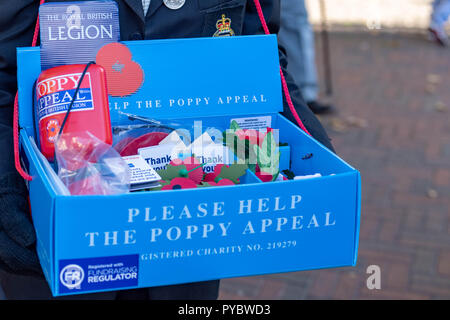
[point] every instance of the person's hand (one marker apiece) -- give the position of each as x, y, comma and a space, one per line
17, 235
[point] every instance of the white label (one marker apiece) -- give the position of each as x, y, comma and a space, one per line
203, 148
214, 154
254, 122
158, 157
140, 171
209, 152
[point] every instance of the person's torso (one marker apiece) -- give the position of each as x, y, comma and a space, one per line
186, 19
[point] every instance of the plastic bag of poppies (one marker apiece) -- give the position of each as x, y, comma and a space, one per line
89, 166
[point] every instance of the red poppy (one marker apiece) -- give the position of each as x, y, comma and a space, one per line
180, 183
194, 169
211, 177
124, 76
52, 129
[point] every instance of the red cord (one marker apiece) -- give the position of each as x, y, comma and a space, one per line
19, 168
17, 163
36, 28
283, 79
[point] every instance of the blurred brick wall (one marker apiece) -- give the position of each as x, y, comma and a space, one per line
373, 14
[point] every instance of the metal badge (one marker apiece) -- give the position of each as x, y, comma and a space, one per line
174, 4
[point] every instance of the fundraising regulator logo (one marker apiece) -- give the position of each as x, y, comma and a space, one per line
82, 275
72, 276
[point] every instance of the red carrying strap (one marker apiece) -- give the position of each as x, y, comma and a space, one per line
18, 165
283, 79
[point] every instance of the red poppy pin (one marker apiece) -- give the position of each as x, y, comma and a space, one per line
123, 75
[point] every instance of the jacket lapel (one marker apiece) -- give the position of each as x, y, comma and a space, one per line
154, 5
136, 6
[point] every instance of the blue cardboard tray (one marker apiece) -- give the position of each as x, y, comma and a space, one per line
100, 243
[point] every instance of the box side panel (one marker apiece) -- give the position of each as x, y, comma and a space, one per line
204, 77
358, 218
245, 82
308, 156
285, 158
162, 238
42, 208
28, 69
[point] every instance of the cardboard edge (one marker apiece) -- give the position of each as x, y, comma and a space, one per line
25, 53
352, 176
224, 277
285, 157
54, 276
55, 270
41, 174
324, 148
358, 218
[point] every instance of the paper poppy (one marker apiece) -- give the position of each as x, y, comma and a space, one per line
180, 183
213, 175
209, 177
193, 171
124, 76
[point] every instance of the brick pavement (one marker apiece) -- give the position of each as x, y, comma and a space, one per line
394, 126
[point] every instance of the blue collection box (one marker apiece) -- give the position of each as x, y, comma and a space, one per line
99, 243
